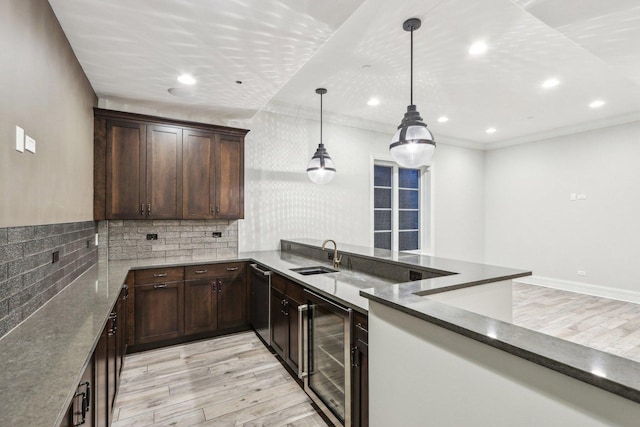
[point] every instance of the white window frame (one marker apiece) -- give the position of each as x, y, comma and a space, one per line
426, 218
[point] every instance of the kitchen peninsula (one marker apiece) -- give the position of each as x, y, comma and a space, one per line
369, 281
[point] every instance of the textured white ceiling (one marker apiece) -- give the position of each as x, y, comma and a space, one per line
283, 50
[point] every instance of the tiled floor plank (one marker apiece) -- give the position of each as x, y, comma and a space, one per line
231, 380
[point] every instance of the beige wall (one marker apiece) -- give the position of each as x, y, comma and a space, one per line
43, 90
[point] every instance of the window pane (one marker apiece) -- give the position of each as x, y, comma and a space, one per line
382, 220
408, 240
409, 178
382, 176
408, 220
382, 240
408, 199
382, 197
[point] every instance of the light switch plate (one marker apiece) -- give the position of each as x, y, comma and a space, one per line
30, 144
19, 139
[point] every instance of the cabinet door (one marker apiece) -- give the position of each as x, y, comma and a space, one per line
100, 395
232, 302
292, 351
200, 306
85, 392
164, 172
279, 324
360, 378
198, 175
230, 178
125, 170
159, 311
112, 362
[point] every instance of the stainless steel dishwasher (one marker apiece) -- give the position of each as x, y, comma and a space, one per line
260, 301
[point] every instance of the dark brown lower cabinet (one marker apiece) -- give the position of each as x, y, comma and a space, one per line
360, 371
93, 402
82, 409
215, 304
159, 311
201, 306
286, 296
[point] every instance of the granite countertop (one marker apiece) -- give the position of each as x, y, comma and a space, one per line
607, 371
41, 360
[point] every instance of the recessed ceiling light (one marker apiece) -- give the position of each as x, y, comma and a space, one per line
182, 92
478, 47
550, 83
366, 66
597, 103
373, 102
443, 119
186, 79
491, 130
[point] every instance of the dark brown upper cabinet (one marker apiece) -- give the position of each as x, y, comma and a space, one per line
149, 167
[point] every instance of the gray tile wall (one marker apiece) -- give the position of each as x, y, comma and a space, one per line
128, 238
28, 278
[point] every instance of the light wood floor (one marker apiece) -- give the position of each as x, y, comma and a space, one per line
227, 381
600, 323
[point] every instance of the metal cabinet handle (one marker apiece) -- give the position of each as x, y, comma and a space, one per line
85, 402
125, 296
200, 271
259, 270
232, 268
219, 286
217, 209
162, 285
302, 343
149, 209
160, 275
142, 209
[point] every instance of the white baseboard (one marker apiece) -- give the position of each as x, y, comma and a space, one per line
583, 288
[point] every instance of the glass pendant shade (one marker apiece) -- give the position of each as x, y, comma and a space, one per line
413, 144
321, 169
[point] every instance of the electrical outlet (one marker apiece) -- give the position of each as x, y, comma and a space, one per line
216, 234
153, 236
55, 257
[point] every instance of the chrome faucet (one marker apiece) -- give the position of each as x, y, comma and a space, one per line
336, 258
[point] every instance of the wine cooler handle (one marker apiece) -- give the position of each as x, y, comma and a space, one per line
302, 342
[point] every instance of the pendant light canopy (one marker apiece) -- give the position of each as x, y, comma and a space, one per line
413, 144
321, 169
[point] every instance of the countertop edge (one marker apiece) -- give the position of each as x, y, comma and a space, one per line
539, 357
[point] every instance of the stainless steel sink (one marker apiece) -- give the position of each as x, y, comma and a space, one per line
308, 271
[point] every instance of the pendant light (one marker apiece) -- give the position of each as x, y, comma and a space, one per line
413, 144
321, 169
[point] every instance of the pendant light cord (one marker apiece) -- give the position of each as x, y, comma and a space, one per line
320, 119
411, 65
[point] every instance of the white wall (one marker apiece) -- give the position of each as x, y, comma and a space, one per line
459, 203
532, 224
281, 202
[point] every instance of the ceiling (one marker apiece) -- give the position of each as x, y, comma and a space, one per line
282, 50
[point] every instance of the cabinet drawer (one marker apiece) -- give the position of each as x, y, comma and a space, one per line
214, 270
360, 321
159, 275
289, 288
295, 292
